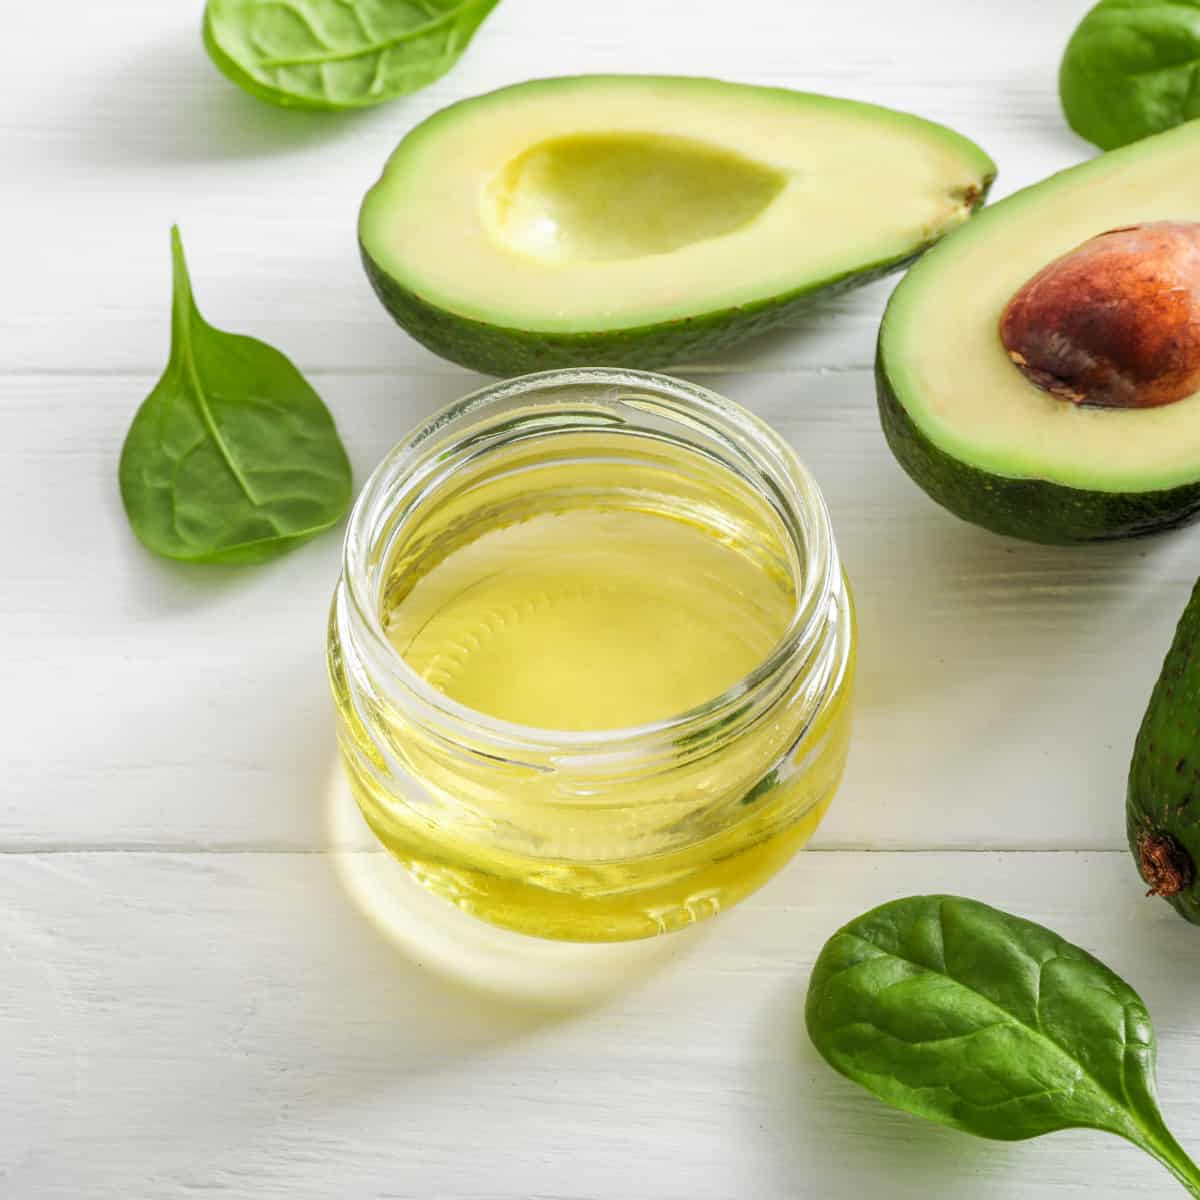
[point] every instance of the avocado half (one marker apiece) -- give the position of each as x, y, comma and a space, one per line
973, 431
637, 220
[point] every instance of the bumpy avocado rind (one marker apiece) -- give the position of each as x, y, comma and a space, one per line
1034, 510
504, 351
1163, 798
642, 221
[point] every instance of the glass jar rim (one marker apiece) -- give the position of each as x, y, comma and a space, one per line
794, 497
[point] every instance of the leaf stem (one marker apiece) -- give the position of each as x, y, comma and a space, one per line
183, 312
1173, 1156
182, 301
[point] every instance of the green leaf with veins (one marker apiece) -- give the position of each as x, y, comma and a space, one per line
338, 54
233, 457
990, 1024
1132, 69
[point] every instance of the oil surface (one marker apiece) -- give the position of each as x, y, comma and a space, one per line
590, 619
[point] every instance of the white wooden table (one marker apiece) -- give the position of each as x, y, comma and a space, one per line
192, 999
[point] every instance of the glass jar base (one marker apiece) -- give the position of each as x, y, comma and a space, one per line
527, 974
613, 903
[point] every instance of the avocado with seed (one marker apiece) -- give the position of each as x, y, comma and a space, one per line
1163, 800
639, 220
1039, 371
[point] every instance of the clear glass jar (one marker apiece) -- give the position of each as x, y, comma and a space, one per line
608, 833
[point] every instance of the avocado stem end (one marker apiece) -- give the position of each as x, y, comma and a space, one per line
1166, 866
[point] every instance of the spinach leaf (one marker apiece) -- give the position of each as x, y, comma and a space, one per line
1131, 69
990, 1024
232, 457
338, 53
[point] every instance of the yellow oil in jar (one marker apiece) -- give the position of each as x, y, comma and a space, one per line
577, 591
590, 619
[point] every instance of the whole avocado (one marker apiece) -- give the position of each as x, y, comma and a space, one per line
1163, 800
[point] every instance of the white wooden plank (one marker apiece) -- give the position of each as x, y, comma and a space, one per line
153, 704
232, 1025
123, 127
155, 701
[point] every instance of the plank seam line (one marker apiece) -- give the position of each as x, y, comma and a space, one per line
132, 848
433, 369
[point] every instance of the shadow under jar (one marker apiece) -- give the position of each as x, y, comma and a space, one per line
592, 654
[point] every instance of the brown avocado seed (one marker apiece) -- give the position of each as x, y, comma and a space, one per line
1116, 322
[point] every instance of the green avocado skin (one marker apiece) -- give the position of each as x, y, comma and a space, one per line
1035, 510
1164, 777
503, 351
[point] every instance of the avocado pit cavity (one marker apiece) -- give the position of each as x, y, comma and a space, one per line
609, 196
1116, 322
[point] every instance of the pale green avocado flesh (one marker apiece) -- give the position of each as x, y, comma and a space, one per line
640, 220
983, 440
